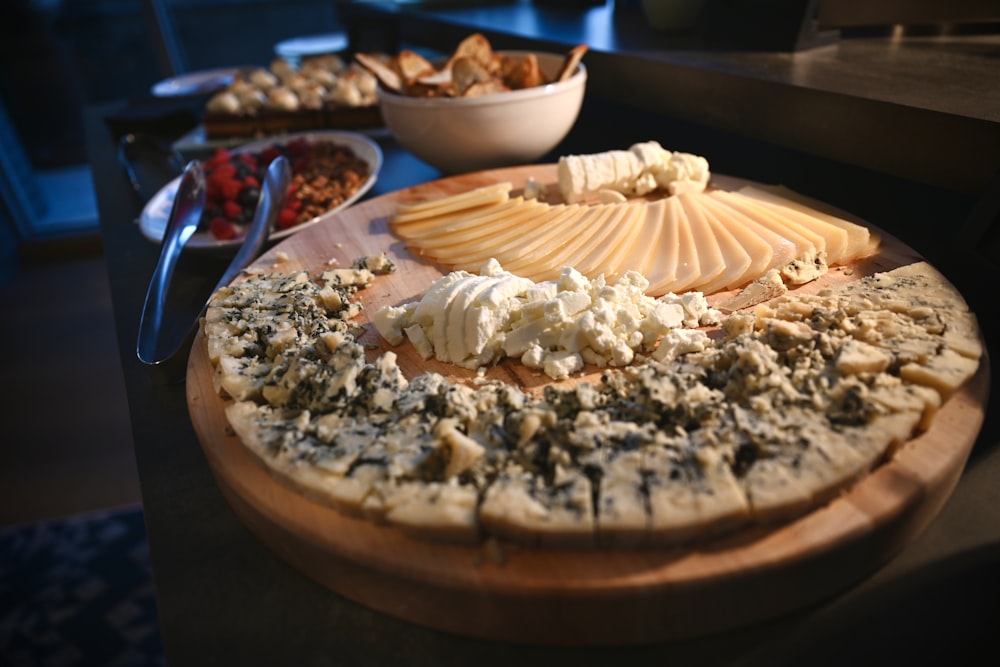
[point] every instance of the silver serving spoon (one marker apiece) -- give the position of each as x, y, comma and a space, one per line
185, 215
273, 191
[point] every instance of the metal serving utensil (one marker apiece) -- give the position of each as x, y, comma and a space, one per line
273, 191
185, 214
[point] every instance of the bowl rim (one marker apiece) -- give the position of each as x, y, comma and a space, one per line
578, 78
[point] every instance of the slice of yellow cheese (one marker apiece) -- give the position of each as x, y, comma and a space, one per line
489, 195
679, 242
505, 240
454, 228
607, 256
834, 238
860, 241
645, 247
807, 243
545, 261
658, 260
608, 231
736, 261
712, 261
783, 250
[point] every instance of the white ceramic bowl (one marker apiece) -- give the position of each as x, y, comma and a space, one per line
458, 135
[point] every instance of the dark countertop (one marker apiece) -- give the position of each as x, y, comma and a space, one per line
226, 599
925, 108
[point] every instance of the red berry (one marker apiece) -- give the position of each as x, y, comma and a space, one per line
286, 218
221, 156
222, 229
223, 171
232, 209
231, 189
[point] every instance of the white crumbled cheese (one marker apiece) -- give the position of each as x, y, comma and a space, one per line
388, 322
556, 326
678, 342
415, 334
561, 364
697, 312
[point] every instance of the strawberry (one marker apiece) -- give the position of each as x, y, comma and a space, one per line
222, 229
231, 189
232, 209
221, 156
222, 171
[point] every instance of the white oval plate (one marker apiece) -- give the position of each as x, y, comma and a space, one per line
153, 219
311, 45
195, 82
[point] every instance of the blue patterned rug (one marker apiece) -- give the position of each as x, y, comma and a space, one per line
78, 591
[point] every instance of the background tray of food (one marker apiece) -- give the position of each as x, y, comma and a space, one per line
330, 171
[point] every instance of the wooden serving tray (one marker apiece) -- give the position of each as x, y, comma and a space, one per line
553, 596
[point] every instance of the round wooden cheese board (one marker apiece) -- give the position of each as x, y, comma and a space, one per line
559, 596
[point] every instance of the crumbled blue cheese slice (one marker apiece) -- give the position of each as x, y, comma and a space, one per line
797, 401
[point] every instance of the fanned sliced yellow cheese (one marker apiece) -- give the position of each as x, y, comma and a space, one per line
657, 259
465, 225
860, 241
835, 238
686, 260
514, 242
622, 254
545, 261
758, 250
596, 236
503, 244
487, 195
807, 243
604, 232
783, 250
736, 260
712, 262
620, 228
